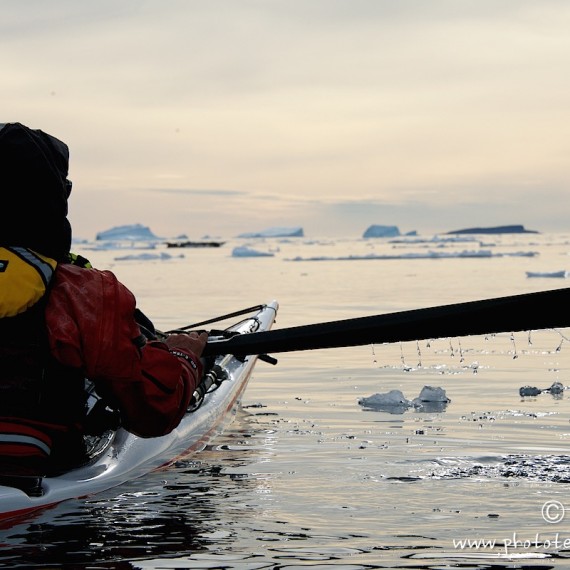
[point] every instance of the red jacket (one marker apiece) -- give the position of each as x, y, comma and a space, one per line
91, 327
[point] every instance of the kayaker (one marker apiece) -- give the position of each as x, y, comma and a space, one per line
61, 324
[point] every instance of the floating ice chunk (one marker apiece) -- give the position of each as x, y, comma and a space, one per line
431, 400
556, 389
244, 251
393, 401
529, 391
431, 394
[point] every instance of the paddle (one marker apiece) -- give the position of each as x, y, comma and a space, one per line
530, 311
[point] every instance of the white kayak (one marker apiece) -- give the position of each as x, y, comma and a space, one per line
122, 456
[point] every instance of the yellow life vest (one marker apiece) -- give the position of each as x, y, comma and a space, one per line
24, 278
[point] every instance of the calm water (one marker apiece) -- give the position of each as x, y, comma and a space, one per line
306, 476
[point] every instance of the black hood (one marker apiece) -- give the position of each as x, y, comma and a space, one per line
35, 189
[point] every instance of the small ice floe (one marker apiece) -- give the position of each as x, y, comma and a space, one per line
557, 389
479, 253
244, 251
430, 400
162, 256
108, 245
550, 274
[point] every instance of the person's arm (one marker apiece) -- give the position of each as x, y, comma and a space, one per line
90, 319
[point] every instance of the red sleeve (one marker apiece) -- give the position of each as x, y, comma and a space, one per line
90, 320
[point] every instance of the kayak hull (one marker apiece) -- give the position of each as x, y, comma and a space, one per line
128, 457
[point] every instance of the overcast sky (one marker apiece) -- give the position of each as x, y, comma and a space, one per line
216, 117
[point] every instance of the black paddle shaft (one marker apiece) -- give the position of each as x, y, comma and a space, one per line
530, 311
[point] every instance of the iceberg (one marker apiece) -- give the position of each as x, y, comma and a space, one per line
132, 232
378, 231
275, 232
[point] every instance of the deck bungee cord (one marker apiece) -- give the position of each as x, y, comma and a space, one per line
210, 382
254, 309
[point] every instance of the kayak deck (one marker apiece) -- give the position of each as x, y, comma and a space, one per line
128, 457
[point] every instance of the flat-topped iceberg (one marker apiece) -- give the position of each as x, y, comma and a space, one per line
132, 232
275, 232
375, 231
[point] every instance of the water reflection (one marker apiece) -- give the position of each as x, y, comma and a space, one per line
184, 510
171, 520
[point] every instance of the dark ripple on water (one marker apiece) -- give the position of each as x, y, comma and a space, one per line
100, 533
537, 468
169, 518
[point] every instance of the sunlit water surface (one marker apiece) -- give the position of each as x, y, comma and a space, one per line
307, 476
